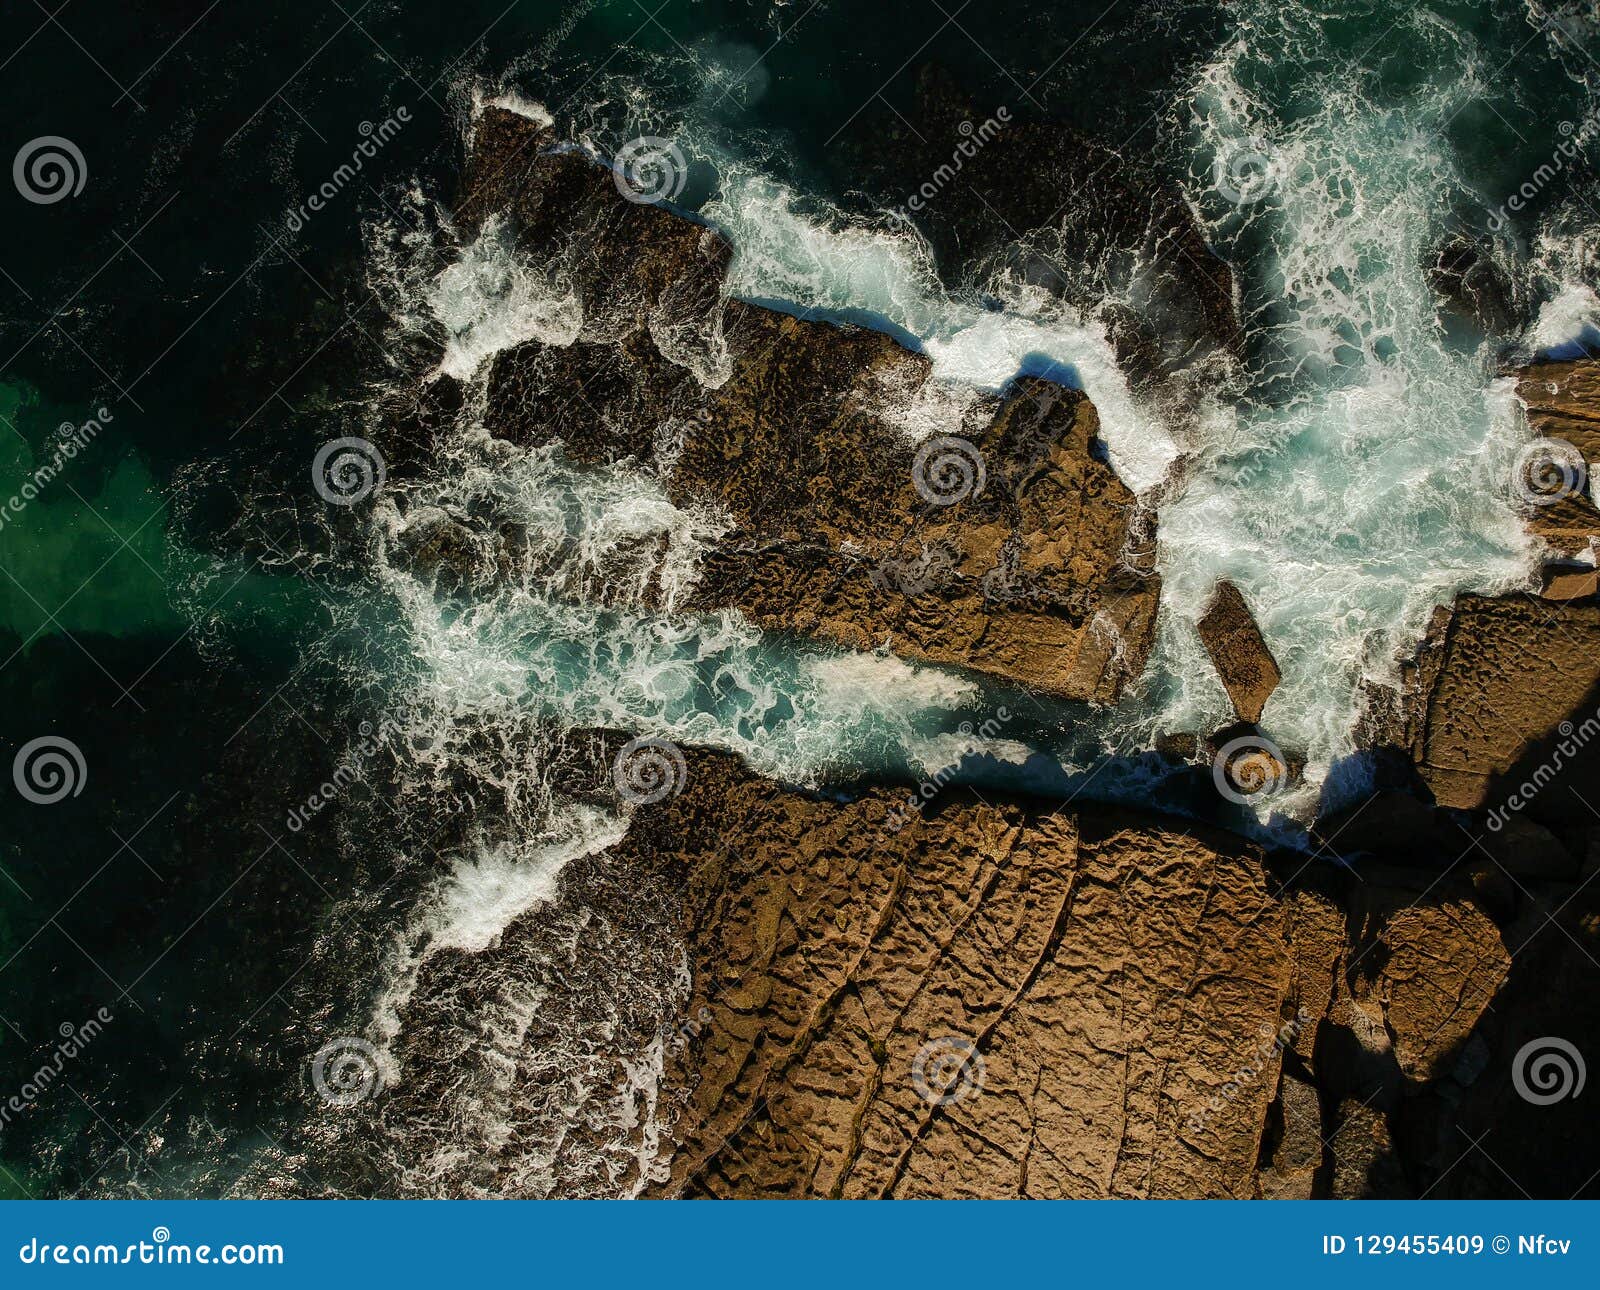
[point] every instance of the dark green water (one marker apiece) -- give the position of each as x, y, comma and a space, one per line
178, 604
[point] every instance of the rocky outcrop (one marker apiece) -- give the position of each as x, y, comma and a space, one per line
1430, 973
991, 997
1239, 652
1502, 697
1016, 551
1297, 1155
997, 999
1563, 405
990, 1001
1569, 582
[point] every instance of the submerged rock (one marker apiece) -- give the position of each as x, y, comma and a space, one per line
1048, 207
1472, 286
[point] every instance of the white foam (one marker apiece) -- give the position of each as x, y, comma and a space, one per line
491, 299
824, 262
1367, 478
514, 101
471, 906
1572, 314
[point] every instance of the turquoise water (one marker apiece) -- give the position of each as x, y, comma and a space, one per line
213, 637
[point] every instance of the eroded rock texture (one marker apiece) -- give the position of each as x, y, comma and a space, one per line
1015, 550
997, 1000
1563, 403
1497, 698
1109, 980
1239, 652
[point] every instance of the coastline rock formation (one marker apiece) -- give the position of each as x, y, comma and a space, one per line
1562, 401
993, 999
1016, 552
1499, 706
990, 997
1239, 652
1501, 689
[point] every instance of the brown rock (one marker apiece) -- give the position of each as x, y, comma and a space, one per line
1563, 403
1015, 551
1239, 652
1543, 1149
992, 999
1185, 746
1365, 1164
1499, 686
1434, 970
1119, 987
1297, 1157
1317, 938
1569, 582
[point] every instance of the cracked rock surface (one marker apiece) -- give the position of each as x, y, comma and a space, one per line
1009, 546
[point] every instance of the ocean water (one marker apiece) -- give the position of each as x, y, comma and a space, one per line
319, 819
